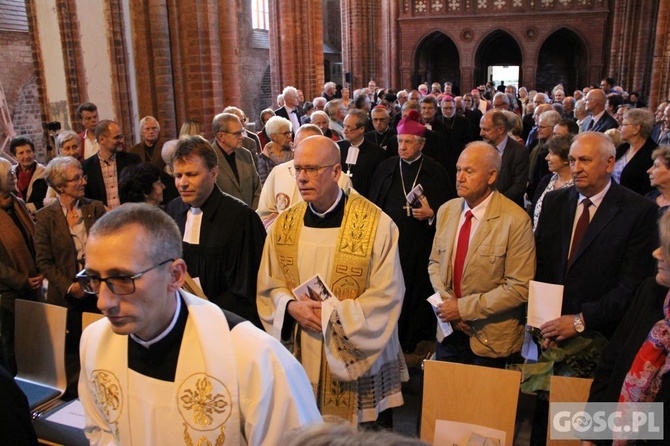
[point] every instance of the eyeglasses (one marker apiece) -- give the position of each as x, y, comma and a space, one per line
311, 172
351, 129
78, 179
119, 285
235, 134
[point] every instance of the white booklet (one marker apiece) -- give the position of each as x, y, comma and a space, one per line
414, 196
314, 288
544, 302
446, 327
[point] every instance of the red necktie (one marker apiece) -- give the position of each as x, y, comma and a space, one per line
580, 230
462, 252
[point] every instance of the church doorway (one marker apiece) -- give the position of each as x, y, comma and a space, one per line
562, 60
498, 49
437, 60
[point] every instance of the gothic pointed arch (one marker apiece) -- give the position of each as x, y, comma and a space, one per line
436, 59
563, 58
497, 48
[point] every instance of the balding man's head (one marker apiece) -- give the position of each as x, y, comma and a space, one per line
595, 101
476, 172
317, 167
592, 157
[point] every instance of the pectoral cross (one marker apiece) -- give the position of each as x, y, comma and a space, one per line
408, 208
349, 173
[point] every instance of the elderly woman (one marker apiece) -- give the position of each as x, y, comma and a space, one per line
633, 158
60, 239
141, 183
634, 365
19, 278
68, 143
279, 149
559, 176
659, 177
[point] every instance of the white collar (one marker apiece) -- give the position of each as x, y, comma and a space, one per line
321, 215
147, 344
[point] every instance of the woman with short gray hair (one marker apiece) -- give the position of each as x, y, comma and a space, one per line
61, 233
633, 158
279, 150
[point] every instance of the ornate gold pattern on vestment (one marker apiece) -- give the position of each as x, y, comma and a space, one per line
289, 224
336, 397
354, 247
107, 393
205, 404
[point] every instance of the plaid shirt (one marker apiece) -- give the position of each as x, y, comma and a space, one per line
111, 181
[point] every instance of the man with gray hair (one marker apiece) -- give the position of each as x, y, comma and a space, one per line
251, 141
290, 109
319, 103
595, 239
580, 112
165, 364
569, 107
149, 148
482, 259
360, 157
600, 120
336, 111
237, 174
329, 91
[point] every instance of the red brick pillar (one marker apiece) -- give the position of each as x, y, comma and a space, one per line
230, 56
196, 59
118, 48
362, 34
153, 64
296, 53
660, 73
75, 80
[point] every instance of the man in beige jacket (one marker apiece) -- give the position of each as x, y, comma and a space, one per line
482, 259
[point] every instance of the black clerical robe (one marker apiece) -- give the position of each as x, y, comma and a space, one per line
361, 173
227, 259
387, 140
417, 321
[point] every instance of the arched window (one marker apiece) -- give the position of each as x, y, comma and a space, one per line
260, 14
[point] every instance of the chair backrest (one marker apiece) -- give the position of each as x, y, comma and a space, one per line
482, 396
567, 390
40, 344
88, 318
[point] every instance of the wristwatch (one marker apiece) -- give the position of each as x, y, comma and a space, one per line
578, 324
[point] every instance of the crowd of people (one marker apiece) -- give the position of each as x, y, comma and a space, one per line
321, 236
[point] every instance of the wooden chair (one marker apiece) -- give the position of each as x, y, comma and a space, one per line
567, 390
40, 351
469, 394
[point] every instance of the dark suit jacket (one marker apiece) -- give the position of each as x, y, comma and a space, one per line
140, 149
388, 142
55, 251
95, 185
606, 122
634, 176
513, 173
613, 257
369, 157
281, 111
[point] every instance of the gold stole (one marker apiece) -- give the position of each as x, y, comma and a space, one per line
348, 280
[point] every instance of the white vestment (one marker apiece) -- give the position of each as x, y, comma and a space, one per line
368, 323
280, 191
238, 385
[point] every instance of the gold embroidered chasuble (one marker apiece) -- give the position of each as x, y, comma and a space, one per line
340, 375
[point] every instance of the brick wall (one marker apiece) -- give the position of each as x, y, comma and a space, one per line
17, 74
